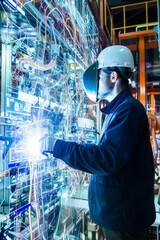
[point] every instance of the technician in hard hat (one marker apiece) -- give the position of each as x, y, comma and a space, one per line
121, 189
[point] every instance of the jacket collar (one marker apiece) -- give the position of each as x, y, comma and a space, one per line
111, 106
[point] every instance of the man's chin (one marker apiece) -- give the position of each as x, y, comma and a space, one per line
102, 97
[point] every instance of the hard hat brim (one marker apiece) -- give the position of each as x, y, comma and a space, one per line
90, 81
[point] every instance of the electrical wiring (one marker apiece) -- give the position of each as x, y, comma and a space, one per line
29, 1
18, 235
52, 45
29, 200
59, 217
68, 28
38, 66
42, 204
35, 190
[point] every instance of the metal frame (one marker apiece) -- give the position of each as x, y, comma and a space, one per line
124, 28
141, 48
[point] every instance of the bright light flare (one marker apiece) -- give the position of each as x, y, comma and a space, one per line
33, 145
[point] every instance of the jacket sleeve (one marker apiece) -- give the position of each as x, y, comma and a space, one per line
119, 141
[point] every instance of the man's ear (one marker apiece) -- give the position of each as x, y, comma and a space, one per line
114, 76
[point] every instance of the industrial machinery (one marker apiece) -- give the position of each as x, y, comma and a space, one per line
45, 48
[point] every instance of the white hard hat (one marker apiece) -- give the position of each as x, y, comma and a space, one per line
116, 56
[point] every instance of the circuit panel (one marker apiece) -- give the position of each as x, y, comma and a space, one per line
45, 48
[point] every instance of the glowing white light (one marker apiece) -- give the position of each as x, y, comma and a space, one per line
33, 146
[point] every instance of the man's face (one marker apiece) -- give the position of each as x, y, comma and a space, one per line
105, 85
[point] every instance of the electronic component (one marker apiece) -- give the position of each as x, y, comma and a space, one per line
45, 47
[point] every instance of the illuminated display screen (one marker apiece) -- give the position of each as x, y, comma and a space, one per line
45, 48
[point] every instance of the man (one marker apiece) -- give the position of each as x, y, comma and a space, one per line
121, 192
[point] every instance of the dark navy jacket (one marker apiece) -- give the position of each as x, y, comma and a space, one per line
121, 190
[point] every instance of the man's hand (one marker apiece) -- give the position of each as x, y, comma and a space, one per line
47, 145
